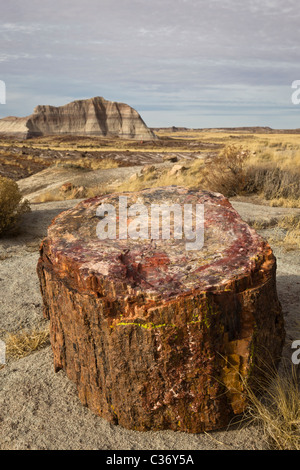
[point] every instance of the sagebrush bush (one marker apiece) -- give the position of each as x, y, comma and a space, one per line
11, 204
273, 182
226, 172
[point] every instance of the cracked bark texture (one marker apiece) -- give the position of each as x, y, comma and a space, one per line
154, 336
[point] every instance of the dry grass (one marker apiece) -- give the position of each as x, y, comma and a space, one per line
88, 163
291, 224
272, 165
289, 239
51, 196
271, 168
285, 202
277, 410
25, 342
262, 224
279, 147
57, 195
191, 175
225, 174
267, 165
75, 193
81, 143
280, 187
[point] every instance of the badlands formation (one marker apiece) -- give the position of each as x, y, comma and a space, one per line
91, 117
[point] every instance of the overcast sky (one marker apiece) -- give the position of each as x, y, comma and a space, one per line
187, 63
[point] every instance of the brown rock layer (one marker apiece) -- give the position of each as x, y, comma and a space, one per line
154, 336
92, 117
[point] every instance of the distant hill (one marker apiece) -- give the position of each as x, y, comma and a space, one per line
250, 130
91, 117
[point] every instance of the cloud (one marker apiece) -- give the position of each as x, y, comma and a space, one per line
177, 54
19, 28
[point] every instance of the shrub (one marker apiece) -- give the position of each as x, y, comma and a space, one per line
291, 224
273, 183
11, 204
226, 172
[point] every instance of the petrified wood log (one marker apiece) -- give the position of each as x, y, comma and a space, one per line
156, 336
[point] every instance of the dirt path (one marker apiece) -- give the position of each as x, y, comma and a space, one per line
53, 178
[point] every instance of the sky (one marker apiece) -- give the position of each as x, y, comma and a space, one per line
189, 63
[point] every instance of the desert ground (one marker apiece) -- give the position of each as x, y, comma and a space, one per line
40, 409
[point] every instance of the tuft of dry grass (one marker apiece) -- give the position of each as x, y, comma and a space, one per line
55, 195
277, 410
285, 202
262, 224
291, 224
50, 196
25, 342
88, 163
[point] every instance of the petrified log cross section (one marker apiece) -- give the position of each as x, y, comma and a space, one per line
156, 336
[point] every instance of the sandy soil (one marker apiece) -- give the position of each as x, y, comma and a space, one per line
40, 409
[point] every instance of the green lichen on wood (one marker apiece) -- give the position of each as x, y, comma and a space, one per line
200, 311
146, 326
201, 315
